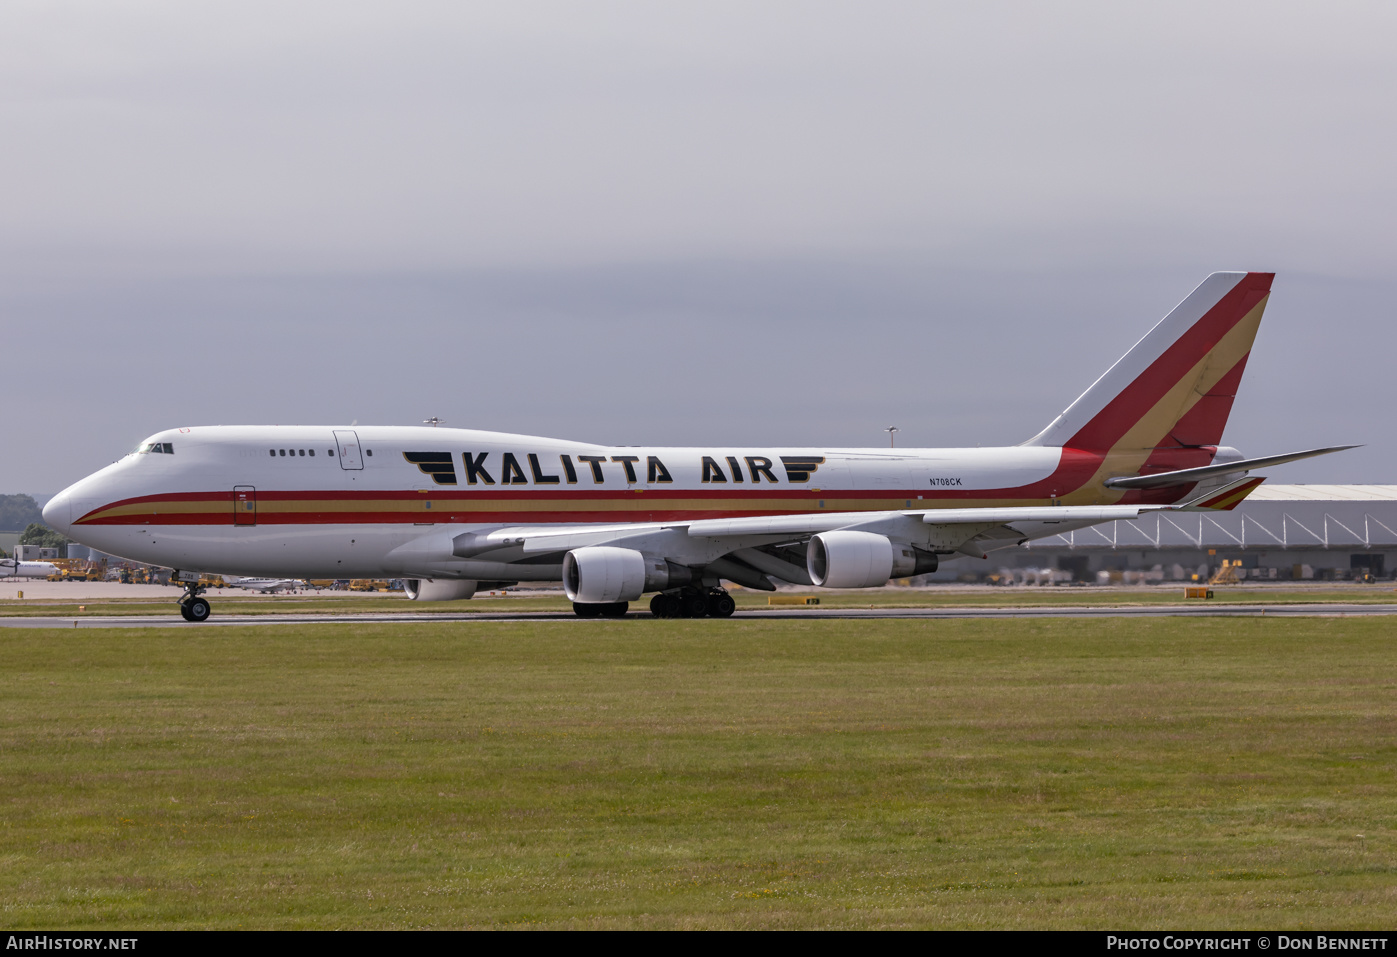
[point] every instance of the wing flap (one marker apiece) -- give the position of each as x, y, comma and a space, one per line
1050, 514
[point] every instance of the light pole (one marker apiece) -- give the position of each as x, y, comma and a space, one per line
433, 421
892, 431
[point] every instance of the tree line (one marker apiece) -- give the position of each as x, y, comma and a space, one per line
21, 513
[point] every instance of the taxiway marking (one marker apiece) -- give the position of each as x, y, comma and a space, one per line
1144, 611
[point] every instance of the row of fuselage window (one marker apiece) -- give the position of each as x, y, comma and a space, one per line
311, 452
440, 467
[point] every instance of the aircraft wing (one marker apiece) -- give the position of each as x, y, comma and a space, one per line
550, 538
535, 551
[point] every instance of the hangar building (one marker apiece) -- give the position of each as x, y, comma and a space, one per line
1332, 532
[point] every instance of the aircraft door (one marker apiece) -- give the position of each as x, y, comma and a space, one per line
244, 505
347, 443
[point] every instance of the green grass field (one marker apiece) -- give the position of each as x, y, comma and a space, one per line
1121, 773
348, 603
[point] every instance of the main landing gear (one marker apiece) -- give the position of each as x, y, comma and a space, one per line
687, 602
693, 603
192, 607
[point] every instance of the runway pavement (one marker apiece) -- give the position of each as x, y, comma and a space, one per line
1143, 611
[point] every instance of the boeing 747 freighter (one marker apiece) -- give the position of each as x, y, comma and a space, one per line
454, 510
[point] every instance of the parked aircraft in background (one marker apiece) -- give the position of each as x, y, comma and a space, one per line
9, 568
453, 510
263, 584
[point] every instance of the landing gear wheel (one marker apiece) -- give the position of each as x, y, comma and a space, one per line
721, 605
616, 609
695, 606
586, 609
664, 606
191, 606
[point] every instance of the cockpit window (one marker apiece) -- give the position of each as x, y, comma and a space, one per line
165, 448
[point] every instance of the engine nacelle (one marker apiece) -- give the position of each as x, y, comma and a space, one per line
849, 559
438, 589
863, 560
910, 560
605, 573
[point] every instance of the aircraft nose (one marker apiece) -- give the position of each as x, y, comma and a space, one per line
56, 512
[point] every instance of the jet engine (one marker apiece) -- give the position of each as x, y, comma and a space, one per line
438, 589
844, 559
605, 573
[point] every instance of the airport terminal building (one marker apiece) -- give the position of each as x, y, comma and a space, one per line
1279, 532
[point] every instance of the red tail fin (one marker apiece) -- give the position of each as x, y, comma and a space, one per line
1174, 388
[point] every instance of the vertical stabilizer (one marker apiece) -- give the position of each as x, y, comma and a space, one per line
1174, 388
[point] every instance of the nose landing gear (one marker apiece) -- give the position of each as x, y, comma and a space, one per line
192, 607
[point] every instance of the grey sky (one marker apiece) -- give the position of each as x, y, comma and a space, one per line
664, 223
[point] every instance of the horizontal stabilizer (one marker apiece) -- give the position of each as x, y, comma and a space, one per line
1228, 497
1189, 476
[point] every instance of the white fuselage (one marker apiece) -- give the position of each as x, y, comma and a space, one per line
325, 502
